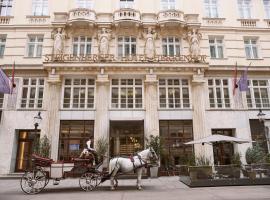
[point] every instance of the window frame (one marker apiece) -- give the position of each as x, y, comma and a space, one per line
3, 40
71, 99
174, 44
43, 5
126, 4
211, 8
6, 5
87, 4
167, 5
216, 45
245, 10
214, 88
119, 86
267, 8
79, 43
28, 98
36, 44
181, 87
251, 47
124, 43
252, 100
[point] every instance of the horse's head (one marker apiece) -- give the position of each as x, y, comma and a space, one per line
153, 156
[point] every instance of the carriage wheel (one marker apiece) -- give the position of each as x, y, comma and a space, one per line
33, 182
88, 181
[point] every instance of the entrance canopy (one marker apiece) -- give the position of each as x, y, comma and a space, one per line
219, 138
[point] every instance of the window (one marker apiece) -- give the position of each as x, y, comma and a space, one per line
32, 93
126, 93
211, 8
82, 45
171, 46
2, 45
244, 9
35, 43
85, 4
219, 93
174, 93
251, 48
126, 3
216, 47
5, 7
73, 137
79, 93
126, 46
1, 100
258, 94
40, 7
267, 8
167, 4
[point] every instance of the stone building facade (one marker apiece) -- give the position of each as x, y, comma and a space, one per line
127, 69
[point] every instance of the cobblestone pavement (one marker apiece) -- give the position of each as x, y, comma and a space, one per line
164, 188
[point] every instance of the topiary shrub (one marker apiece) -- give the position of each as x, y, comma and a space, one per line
236, 159
42, 147
255, 154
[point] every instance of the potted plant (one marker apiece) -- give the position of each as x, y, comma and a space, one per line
202, 170
155, 143
42, 147
101, 147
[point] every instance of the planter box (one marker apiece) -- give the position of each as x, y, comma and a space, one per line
154, 172
200, 172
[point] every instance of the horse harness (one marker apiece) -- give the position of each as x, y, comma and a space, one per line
133, 162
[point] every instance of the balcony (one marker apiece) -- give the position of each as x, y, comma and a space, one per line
38, 19
248, 22
170, 17
5, 20
127, 17
82, 16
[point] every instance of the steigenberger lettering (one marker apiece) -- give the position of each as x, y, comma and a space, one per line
133, 58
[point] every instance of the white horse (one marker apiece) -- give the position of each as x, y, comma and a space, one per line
135, 163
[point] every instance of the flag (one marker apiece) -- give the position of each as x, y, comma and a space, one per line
243, 81
235, 86
4, 83
13, 85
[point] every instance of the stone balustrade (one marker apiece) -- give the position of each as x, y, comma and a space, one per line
82, 15
5, 19
248, 22
38, 19
170, 16
127, 14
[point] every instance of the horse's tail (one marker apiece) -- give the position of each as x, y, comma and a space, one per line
112, 165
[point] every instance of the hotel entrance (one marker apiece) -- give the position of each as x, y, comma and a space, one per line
126, 137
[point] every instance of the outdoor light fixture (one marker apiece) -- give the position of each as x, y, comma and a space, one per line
261, 116
37, 120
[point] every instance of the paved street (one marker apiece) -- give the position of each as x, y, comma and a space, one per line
165, 188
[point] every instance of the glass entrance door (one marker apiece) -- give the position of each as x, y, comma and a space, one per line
126, 137
25, 149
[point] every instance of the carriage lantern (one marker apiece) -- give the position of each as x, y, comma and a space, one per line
37, 120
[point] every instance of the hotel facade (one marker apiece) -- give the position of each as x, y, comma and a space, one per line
127, 69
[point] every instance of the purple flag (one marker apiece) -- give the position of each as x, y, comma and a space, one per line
243, 81
4, 83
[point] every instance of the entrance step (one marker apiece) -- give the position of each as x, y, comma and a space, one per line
11, 176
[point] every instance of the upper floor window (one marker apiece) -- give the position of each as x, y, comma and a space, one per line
174, 93
1, 100
267, 8
244, 9
251, 48
258, 94
219, 93
126, 3
85, 4
5, 7
216, 47
32, 93
79, 93
126, 46
167, 4
40, 7
2, 45
127, 93
82, 45
171, 46
211, 8
34, 47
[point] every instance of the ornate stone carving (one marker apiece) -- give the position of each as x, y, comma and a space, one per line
59, 36
104, 37
193, 37
149, 50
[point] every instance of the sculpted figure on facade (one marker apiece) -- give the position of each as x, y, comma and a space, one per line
150, 35
59, 37
193, 37
104, 37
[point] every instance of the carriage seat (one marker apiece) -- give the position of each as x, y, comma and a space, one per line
41, 161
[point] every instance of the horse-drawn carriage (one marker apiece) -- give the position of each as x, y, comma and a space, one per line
44, 169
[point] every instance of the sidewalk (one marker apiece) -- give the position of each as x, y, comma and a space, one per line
164, 188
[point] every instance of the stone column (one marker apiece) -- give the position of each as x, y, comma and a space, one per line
151, 106
199, 96
53, 114
102, 121
267, 133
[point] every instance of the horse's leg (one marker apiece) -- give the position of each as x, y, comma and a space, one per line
112, 178
139, 178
